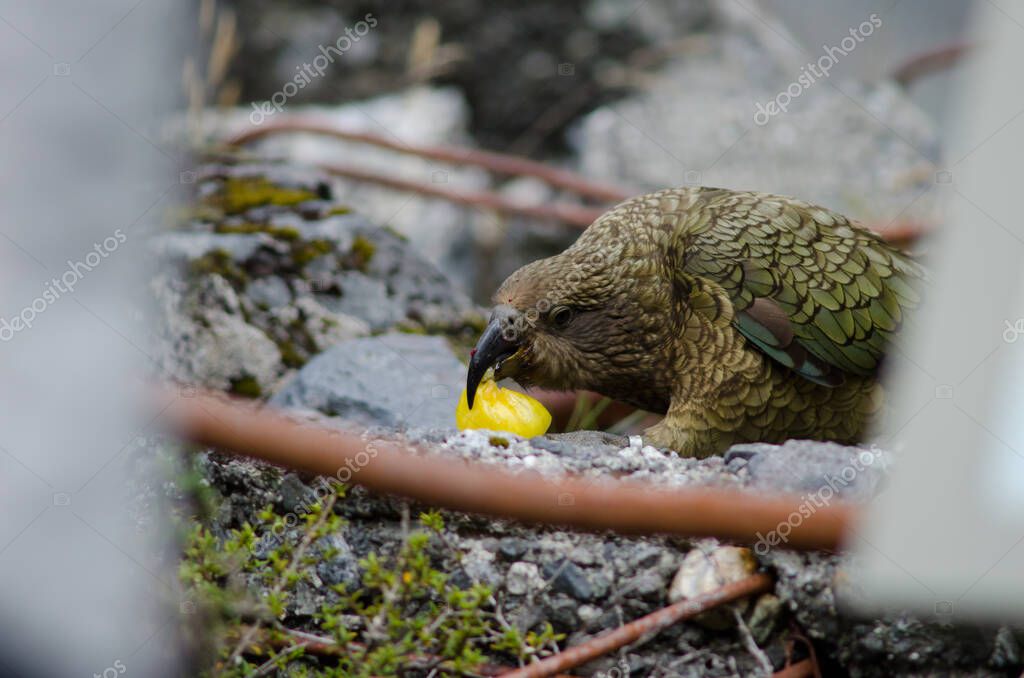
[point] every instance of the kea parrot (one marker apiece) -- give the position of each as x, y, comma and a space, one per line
740, 316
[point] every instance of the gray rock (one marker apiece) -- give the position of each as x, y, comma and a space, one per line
696, 126
366, 298
183, 247
394, 380
237, 310
523, 578
647, 585
817, 469
560, 609
593, 441
210, 344
478, 564
323, 328
271, 292
439, 230
645, 555
566, 577
511, 548
342, 567
296, 496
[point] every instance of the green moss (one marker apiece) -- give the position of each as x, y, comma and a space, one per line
305, 251
362, 252
289, 233
337, 210
219, 261
290, 354
247, 387
410, 327
237, 194
498, 441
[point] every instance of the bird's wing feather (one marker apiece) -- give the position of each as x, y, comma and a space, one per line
813, 291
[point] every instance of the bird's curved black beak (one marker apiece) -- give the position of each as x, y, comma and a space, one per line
498, 342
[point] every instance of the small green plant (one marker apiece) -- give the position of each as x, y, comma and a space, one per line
405, 616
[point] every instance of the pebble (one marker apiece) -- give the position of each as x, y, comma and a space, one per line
566, 577
702, 572
523, 578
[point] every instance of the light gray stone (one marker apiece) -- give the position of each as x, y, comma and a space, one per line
395, 380
862, 149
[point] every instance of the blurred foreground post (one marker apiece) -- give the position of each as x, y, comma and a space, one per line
85, 87
947, 537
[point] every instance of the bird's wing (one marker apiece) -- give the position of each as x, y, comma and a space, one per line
813, 291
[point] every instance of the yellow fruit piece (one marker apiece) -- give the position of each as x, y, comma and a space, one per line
502, 409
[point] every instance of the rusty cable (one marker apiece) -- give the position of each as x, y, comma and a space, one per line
570, 213
930, 61
499, 163
578, 215
634, 630
627, 507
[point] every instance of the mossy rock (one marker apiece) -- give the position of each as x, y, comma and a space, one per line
289, 233
361, 253
219, 261
238, 194
305, 251
247, 387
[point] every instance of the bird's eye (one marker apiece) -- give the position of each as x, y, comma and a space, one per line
561, 316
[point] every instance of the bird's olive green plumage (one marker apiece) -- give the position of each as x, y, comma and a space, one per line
742, 316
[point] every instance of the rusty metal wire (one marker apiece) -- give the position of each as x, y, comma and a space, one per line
417, 474
499, 163
626, 507
575, 215
930, 61
803, 669
901, 233
651, 623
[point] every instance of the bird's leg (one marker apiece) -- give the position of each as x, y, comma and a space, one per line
687, 431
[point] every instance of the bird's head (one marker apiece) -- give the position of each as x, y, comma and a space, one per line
571, 321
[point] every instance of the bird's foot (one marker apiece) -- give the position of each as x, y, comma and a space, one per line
684, 442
